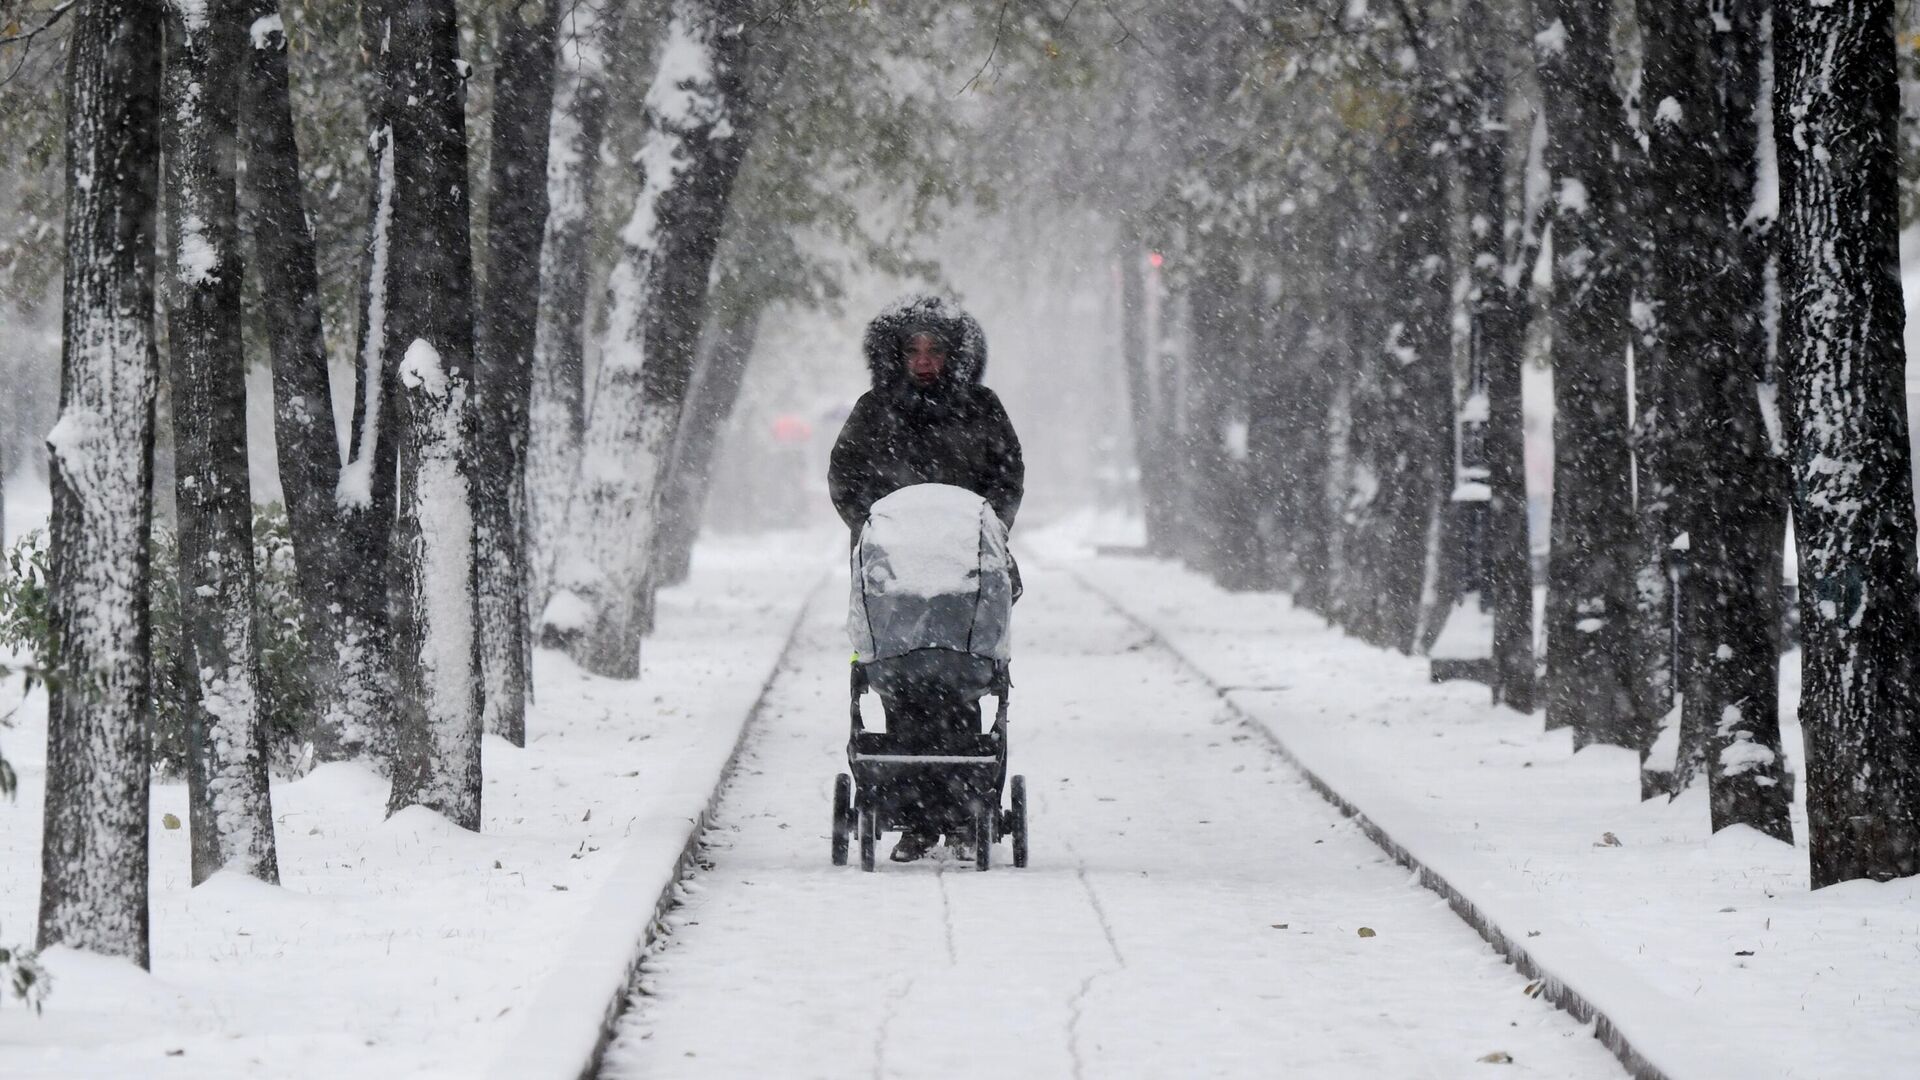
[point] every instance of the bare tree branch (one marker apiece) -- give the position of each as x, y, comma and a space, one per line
999, 27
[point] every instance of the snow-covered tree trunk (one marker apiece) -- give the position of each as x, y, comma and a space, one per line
437, 763
516, 221
1738, 695
1337, 480
585, 37
710, 403
1503, 242
1314, 521
285, 260
1703, 79
1404, 387
365, 500
1215, 397
229, 808
696, 133
429, 345
1592, 672
1361, 429
360, 709
1835, 113
1280, 430
1131, 257
1417, 480
93, 871
1676, 120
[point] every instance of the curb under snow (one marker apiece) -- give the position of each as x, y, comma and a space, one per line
1654, 1035
571, 1022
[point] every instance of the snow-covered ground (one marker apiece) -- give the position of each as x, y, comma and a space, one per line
1708, 951
408, 947
1192, 907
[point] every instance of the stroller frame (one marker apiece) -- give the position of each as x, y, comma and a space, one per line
955, 788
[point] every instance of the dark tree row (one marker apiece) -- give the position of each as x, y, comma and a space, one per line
425, 521
1354, 283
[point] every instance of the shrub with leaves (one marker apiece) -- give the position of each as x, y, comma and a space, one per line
26, 627
25, 631
25, 979
284, 682
291, 706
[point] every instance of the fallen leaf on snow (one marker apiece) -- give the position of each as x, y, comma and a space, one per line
1608, 840
170, 822
1498, 1057
1367, 931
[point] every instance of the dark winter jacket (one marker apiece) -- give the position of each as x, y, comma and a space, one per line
953, 432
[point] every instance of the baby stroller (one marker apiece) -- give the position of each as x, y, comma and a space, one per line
932, 600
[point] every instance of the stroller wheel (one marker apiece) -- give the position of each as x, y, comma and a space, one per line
842, 817
982, 836
869, 835
1019, 821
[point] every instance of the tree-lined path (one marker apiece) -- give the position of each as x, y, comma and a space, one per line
1192, 907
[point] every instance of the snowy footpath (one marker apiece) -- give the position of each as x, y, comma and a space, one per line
406, 947
1706, 953
1192, 908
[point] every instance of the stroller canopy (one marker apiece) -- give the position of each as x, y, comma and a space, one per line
931, 571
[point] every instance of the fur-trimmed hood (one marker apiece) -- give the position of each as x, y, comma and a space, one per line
925, 313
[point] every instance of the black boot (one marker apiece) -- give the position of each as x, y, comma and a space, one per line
913, 845
960, 847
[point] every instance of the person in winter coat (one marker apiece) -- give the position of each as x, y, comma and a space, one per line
927, 420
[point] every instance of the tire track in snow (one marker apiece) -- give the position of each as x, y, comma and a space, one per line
946, 917
1420, 876
1076, 1005
886, 1023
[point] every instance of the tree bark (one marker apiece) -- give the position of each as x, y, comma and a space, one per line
307, 444
93, 874
1208, 474
1132, 258
1503, 245
1418, 480
364, 496
1363, 437
229, 805
1836, 113
710, 404
1403, 392
1706, 277
516, 221
429, 343
697, 128
584, 37
1593, 677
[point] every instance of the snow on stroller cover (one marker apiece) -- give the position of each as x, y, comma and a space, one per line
931, 570
930, 615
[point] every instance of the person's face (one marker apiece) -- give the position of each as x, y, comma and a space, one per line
926, 358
